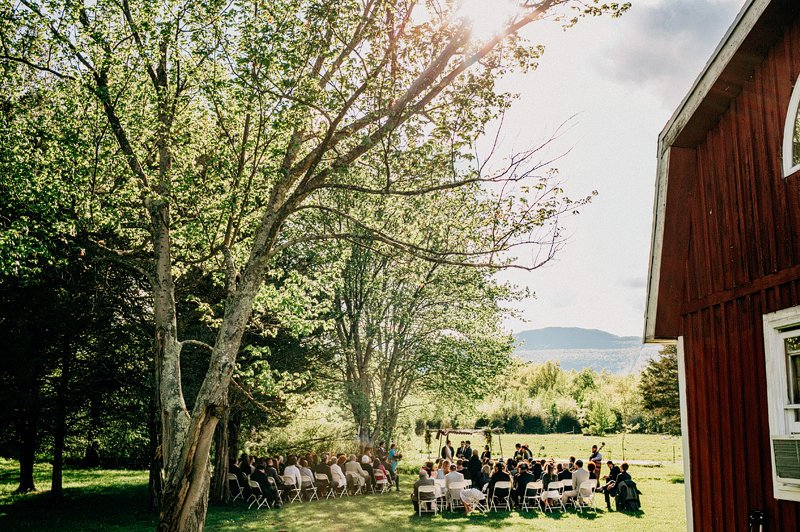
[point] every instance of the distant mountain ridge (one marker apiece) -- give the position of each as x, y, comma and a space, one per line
575, 348
573, 338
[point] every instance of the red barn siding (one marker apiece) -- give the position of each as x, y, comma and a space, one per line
740, 260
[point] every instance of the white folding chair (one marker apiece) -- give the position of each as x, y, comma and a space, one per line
355, 480
312, 490
427, 505
278, 490
441, 490
454, 494
505, 501
339, 486
256, 495
380, 482
326, 484
291, 489
585, 496
532, 496
237, 490
554, 492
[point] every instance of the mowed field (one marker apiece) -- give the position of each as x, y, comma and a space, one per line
107, 500
636, 447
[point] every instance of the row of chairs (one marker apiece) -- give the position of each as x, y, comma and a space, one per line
290, 492
532, 499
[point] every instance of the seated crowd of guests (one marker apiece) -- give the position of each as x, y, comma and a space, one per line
345, 473
520, 471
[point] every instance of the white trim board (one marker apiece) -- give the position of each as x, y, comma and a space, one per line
687, 463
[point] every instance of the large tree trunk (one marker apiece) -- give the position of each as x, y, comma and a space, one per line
28, 443
60, 430
155, 484
220, 493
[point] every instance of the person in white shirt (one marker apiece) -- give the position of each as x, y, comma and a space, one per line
578, 476
452, 476
292, 471
337, 475
308, 481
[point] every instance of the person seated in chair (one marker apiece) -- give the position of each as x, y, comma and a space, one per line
356, 471
608, 488
499, 475
269, 490
563, 472
453, 476
524, 478
306, 473
366, 465
424, 480
241, 477
578, 476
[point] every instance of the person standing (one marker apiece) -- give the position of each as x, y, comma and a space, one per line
597, 458
447, 451
394, 456
486, 455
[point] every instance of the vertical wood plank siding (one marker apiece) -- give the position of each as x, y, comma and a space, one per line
742, 260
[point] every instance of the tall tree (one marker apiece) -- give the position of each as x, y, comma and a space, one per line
406, 326
223, 119
659, 389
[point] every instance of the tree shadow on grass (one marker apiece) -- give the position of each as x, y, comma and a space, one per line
118, 508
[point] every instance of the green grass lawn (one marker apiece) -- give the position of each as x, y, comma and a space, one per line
650, 447
115, 500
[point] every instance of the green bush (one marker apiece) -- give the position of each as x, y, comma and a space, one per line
568, 422
533, 424
514, 424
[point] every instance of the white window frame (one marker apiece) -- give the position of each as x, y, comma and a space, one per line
788, 132
776, 325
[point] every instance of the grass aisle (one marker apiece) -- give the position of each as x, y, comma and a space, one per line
113, 501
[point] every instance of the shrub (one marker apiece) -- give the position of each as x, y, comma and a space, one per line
568, 422
533, 424
514, 424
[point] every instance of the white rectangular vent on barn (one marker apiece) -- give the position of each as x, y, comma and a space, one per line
787, 458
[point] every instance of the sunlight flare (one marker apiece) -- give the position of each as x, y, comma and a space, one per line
488, 17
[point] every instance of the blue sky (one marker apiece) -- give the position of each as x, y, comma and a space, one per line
623, 78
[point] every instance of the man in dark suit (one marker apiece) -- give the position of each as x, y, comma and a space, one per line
269, 490
612, 479
468, 451
233, 469
463, 469
323, 468
524, 478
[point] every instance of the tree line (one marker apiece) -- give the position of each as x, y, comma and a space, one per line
544, 399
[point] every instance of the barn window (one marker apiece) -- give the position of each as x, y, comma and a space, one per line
791, 135
782, 356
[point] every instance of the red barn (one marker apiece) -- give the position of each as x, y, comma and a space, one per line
725, 272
